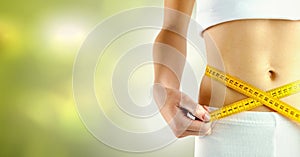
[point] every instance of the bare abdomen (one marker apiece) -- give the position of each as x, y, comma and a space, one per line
264, 53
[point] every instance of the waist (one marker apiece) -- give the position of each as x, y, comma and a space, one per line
264, 53
250, 118
261, 75
216, 94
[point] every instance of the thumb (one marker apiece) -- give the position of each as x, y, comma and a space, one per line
196, 110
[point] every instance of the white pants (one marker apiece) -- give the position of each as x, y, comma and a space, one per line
251, 134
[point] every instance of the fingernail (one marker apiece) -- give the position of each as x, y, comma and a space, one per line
206, 107
206, 117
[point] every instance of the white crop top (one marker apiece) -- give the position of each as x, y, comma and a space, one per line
212, 12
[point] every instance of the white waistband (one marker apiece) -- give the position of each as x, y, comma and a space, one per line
251, 134
255, 118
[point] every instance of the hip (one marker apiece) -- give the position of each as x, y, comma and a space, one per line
251, 134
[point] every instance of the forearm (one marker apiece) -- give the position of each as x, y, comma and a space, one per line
169, 51
169, 55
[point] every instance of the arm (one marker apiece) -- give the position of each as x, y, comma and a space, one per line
173, 34
169, 54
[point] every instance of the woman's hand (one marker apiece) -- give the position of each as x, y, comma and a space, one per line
169, 56
174, 106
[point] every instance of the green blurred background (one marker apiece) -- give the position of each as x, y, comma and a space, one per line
38, 44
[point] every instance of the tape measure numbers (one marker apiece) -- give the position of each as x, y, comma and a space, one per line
249, 103
257, 96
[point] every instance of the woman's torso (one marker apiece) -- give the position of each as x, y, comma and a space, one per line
262, 52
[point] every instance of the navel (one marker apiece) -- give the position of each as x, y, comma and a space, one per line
272, 74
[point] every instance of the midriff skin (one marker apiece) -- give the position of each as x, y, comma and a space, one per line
264, 53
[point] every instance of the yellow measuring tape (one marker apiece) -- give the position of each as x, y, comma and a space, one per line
256, 96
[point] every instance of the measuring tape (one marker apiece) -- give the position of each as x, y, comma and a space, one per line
257, 96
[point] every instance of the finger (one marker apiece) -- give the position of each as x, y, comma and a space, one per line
206, 108
194, 108
194, 133
180, 124
205, 129
199, 126
196, 125
192, 117
188, 133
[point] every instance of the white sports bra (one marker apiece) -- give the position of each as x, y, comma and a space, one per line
212, 12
